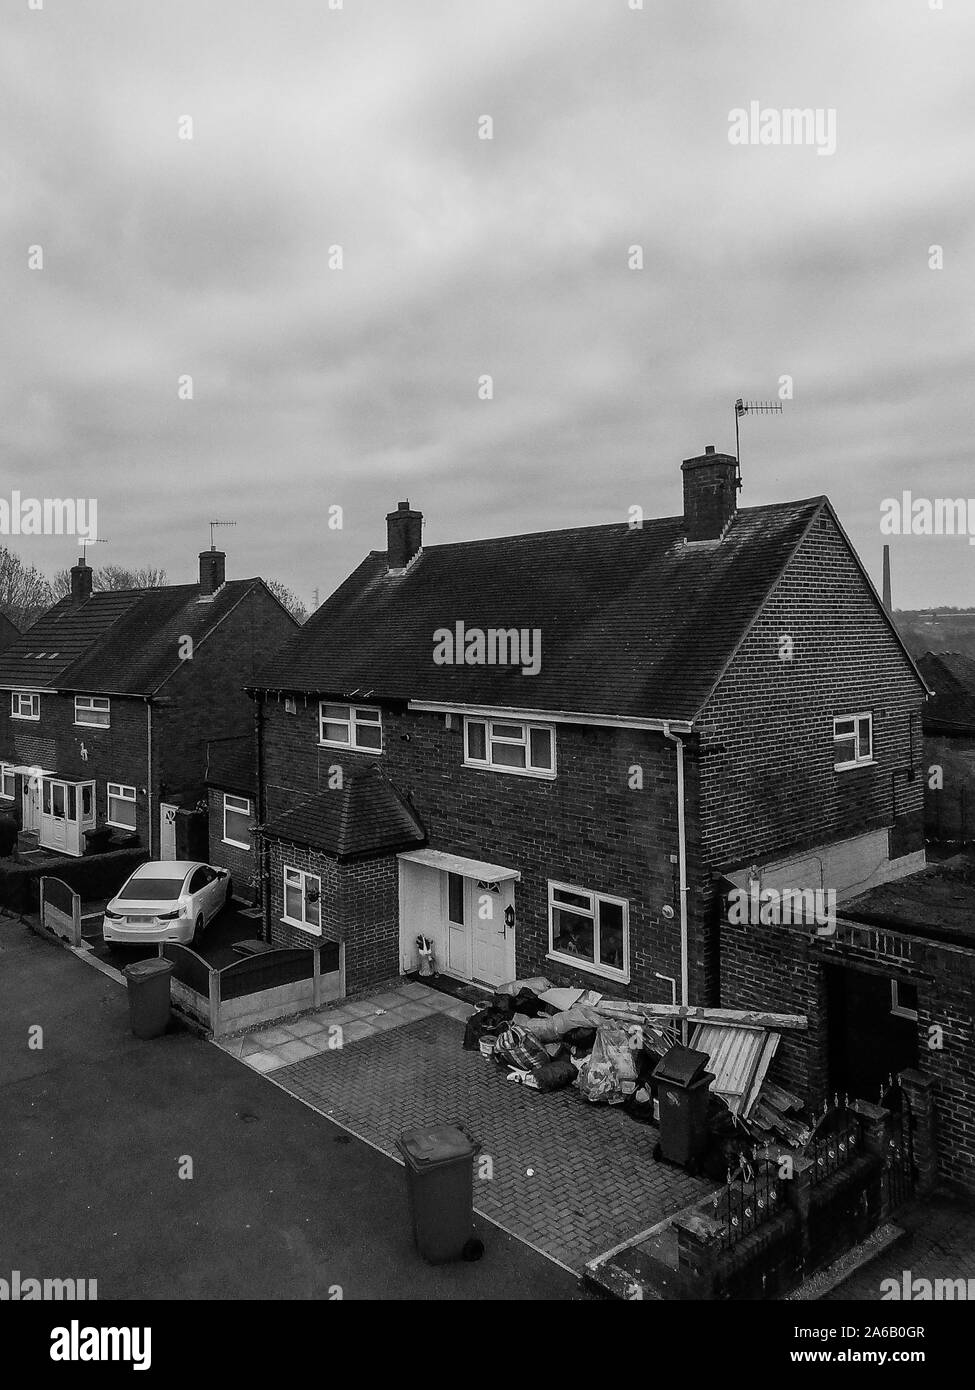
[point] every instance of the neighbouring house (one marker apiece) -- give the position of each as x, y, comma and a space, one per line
949, 748
9, 632
545, 752
888, 987
231, 780
111, 697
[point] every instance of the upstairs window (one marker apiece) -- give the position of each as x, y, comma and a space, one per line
852, 741
93, 711
25, 704
237, 821
350, 726
528, 749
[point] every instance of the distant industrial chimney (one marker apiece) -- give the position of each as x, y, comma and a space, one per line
213, 571
81, 581
710, 494
404, 530
887, 604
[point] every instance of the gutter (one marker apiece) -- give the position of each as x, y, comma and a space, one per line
682, 873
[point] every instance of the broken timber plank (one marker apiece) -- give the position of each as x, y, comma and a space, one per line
734, 1018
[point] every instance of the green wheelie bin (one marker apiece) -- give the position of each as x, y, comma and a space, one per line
148, 987
439, 1162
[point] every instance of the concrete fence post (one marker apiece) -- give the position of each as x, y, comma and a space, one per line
215, 1002
316, 966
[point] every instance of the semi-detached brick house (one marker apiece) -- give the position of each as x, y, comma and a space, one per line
716, 690
110, 698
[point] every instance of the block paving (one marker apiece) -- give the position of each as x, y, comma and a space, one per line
570, 1178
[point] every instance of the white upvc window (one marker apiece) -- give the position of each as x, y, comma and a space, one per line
903, 1000
8, 782
302, 900
506, 745
121, 806
589, 930
350, 726
25, 704
237, 817
852, 740
94, 711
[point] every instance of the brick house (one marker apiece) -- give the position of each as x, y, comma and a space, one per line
949, 747
717, 692
110, 698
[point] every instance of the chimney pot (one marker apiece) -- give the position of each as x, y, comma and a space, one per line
710, 494
213, 571
404, 533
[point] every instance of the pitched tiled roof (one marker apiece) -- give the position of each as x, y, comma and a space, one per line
231, 764
951, 675
633, 622
9, 632
117, 642
366, 816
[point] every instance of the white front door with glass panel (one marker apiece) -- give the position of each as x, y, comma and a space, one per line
480, 928
67, 811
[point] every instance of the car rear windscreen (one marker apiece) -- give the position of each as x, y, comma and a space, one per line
152, 889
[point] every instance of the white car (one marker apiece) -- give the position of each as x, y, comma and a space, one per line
170, 900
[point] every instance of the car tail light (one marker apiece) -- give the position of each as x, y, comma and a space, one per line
167, 916
114, 916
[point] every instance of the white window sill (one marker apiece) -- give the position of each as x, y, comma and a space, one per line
350, 747
604, 972
849, 767
237, 844
87, 724
302, 926
539, 775
117, 825
27, 718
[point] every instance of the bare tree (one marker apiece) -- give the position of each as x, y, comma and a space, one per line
24, 592
111, 577
290, 599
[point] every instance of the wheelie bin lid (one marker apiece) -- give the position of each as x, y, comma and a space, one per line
682, 1065
427, 1145
145, 969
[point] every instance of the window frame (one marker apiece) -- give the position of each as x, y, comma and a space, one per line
7, 770
527, 726
352, 722
897, 1009
118, 794
859, 759
304, 875
17, 696
92, 700
591, 967
240, 810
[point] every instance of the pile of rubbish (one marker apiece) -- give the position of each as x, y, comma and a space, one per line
548, 1038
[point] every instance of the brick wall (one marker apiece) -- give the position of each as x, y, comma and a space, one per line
242, 863
774, 788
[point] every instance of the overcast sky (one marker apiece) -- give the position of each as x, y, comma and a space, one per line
358, 127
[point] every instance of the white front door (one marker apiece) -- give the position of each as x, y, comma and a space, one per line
480, 936
167, 832
32, 803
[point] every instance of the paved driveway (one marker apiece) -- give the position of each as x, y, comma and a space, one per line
570, 1178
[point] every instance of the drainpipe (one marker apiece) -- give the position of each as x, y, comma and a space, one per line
682, 874
149, 768
260, 847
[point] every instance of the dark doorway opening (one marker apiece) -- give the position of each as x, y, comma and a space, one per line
871, 1032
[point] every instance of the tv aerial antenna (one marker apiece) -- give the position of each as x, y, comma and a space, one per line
218, 523
751, 408
87, 541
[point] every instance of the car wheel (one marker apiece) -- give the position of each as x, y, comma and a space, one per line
198, 932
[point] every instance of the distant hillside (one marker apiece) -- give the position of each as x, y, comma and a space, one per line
937, 630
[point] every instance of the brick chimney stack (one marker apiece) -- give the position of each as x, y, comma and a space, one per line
404, 531
710, 494
213, 571
81, 578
